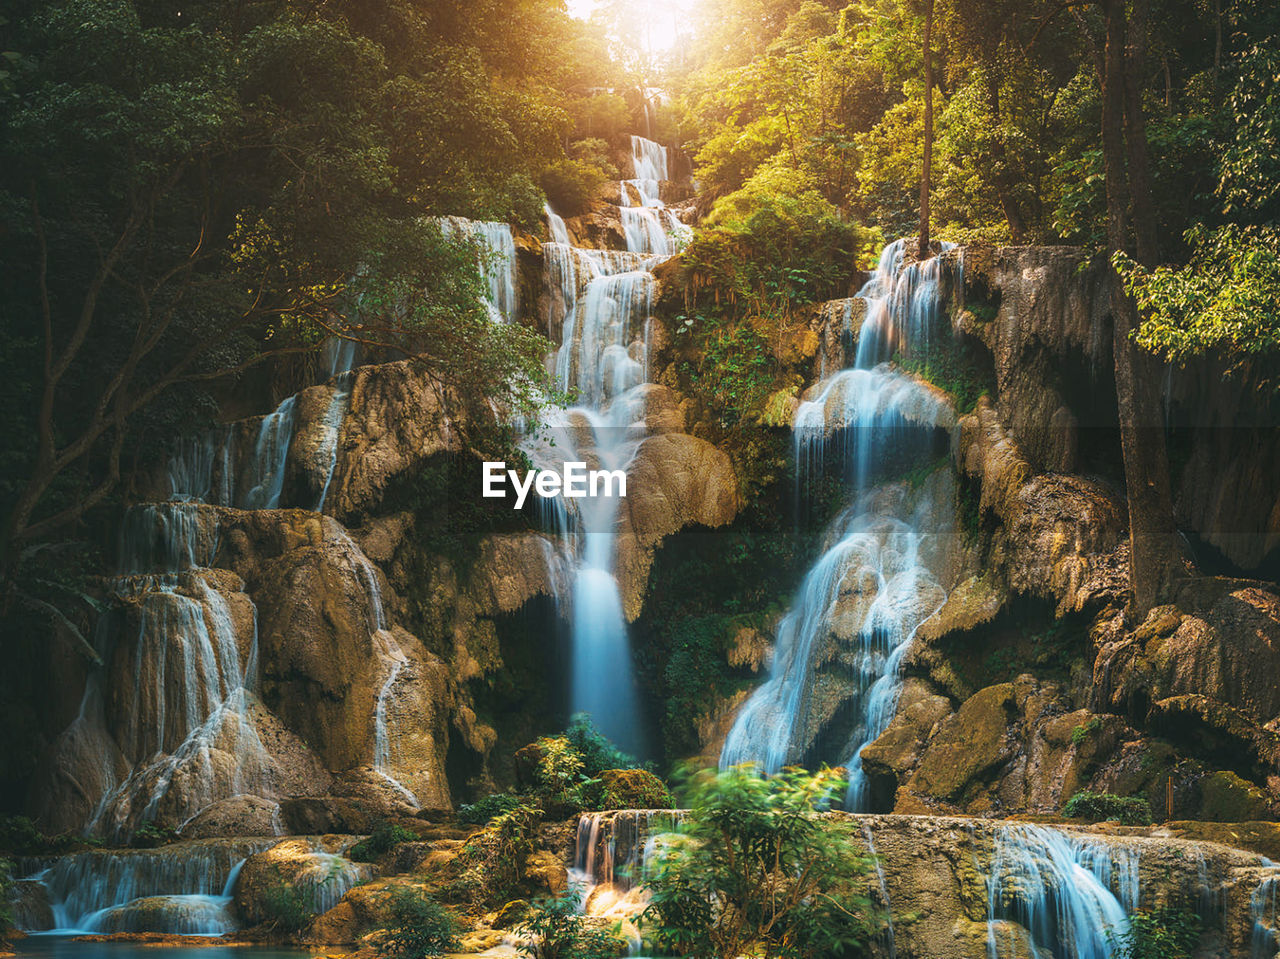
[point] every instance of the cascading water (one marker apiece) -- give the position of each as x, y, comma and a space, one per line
1264, 939
877, 579
648, 225
601, 301
499, 268
184, 888
190, 704
208, 467
1058, 888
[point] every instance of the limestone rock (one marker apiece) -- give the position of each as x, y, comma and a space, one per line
675, 481
236, 816
396, 421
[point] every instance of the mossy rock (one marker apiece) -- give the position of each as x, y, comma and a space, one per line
1225, 797
970, 745
633, 789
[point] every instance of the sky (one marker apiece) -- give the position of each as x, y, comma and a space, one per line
657, 17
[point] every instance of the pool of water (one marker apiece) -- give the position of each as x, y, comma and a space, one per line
64, 947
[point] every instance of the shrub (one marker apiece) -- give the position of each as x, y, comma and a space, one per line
19, 835
597, 752
561, 932
385, 836
151, 834
1164, 933
1100, 807
286, 907
570, 185
418, 926
493, 860
479, 813
756, 869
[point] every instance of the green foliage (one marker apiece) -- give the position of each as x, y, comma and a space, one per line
1225, 302
484, 810
733, 370
1082, 733
755, 868
19, 836
386, 835
286, 908
6, 895
560, 931
1100, 807
151, 834
953, 367
571, 184
1162, 933
595, 749
417, 927
492, 862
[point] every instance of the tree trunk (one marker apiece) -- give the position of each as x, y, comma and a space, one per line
1152, 534
926, 172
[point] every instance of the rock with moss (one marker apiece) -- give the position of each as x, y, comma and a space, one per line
633, 789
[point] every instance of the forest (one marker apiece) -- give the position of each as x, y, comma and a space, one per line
939, 345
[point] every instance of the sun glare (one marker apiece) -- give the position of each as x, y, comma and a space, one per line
657, 24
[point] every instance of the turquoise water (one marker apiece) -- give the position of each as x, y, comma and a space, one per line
63, 947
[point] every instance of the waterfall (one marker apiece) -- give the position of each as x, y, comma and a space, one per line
189, 705
265, 474
499, 268
183, 888
1058, 888
888, 940
600, 310
1265, 936
203, 468
555, 226
340, 361
875, 582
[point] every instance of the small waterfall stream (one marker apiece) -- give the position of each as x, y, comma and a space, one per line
877, 579
601, 306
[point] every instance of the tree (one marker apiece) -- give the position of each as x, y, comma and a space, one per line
757, 869
926, 170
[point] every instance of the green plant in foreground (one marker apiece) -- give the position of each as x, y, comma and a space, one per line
756, 868
1164, 933
1100, 807
417, 926
560, 931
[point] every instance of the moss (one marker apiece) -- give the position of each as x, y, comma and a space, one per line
970, 745
1225, 797
633, 789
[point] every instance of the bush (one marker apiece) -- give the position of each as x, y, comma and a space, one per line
756, 869
150, 834
479, 813
561, 932
597, 752
493, 860
385, 836
287, 908
418, 927
570, 185
1103, 807
19, 835
1164, 933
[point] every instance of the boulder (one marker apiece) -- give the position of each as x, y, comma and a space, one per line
235, 816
